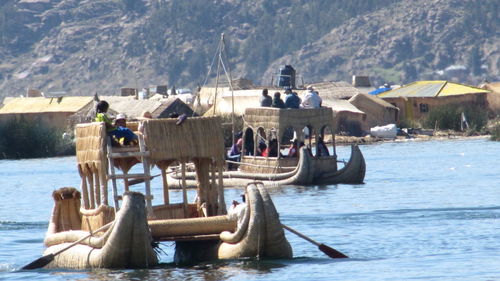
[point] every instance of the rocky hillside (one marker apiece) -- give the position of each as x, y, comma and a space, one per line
88, 46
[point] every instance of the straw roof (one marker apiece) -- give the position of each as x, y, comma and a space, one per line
43, 105
134, 108
335, 90
432, 89
197, 137
364, 98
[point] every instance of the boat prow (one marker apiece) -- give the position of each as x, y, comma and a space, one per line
353, 171
125, 244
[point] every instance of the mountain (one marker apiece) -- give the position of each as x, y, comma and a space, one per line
88, 46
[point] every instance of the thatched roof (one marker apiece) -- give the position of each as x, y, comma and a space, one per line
338, 105
197, 137
43, 105
337, 90
134, 108
363, 98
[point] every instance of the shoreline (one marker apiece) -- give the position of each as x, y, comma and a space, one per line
438, 135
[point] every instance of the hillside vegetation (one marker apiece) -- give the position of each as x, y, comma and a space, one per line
89, 46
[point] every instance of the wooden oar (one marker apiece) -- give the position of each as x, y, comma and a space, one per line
43, 261
137, 181
331, 252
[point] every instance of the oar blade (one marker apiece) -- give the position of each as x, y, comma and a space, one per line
39, 263
331, 252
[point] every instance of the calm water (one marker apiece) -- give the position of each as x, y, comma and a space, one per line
428, 211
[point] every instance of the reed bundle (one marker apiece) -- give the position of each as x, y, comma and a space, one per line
198, 137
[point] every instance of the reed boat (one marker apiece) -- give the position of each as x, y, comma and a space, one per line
308, 168
86, 232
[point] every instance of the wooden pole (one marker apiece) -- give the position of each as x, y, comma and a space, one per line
222, 203
184, 191
90, 178
166, 198
97, 188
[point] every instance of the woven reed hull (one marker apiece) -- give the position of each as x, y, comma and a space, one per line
260, 234
126, 244
309, 171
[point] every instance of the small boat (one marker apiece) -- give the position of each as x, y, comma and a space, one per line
86, 232
262, 125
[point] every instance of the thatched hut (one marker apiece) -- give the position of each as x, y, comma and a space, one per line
378, 112
493, 97
54, 112
159, 108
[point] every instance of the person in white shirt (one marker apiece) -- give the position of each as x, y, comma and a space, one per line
311, 99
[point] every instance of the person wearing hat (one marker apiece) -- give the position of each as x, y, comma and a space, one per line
311, 99
292, 100
123, 135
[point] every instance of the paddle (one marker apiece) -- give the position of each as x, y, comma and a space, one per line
43, 261
331, 252
137, 181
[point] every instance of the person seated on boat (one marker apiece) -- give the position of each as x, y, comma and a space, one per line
272, 149
311, 99
321, 149
292, 100
234, 154
265, 100
124, 135
249, 144
277, 101
112, 130
293, 151
237, 211
261, 148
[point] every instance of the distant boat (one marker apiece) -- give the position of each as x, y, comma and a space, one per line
264, 124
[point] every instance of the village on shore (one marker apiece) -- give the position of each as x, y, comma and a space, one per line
358, 107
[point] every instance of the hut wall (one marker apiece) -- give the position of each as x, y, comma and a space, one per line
494, 102
346, 121
411, 107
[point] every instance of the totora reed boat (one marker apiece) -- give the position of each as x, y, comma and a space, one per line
262, 125
86, 232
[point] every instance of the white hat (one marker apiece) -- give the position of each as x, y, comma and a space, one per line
120, 116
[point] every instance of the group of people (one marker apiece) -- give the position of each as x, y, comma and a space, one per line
292, 100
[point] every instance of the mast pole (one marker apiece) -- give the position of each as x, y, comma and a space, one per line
230, 85
219, 49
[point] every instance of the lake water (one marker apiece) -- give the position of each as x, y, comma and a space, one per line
428, 211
